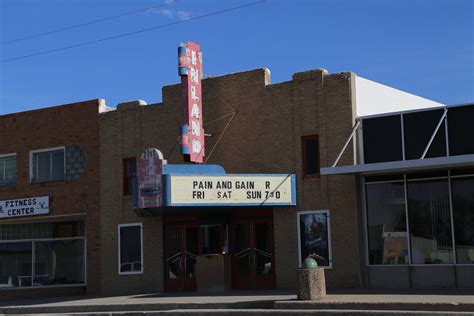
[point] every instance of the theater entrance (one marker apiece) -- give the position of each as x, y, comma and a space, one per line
218, 250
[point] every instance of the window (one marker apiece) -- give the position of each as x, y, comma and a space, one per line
47, 165
129, 172
386, 223
314, 237
7, 170
130, 244
440, 208
430, 222
32, 255
463, 213
310, 147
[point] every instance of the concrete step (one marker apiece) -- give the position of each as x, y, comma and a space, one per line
266, 312
145, 307
398, 305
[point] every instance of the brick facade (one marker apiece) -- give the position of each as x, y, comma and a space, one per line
260, 126
77, 197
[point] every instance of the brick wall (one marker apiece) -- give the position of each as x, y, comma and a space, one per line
72, 124
264, 136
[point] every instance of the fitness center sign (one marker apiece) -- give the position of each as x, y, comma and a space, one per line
24, 207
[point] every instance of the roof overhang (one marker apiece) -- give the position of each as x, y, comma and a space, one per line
403, 166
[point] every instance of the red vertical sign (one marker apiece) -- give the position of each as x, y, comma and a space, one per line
190, 70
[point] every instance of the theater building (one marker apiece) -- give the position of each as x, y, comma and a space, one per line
49, 201
375, 183
341, 214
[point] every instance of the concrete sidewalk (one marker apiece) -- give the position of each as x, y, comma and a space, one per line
275, 302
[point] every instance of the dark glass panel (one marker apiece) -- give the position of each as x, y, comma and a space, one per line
418, 129
427, 174
462, 172
463, 213
382, 139
391, 177
461, 130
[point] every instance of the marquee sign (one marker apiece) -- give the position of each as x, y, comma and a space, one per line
24, 207
190, 70
150, 180
231, 190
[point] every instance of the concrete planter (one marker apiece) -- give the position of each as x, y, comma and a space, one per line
311, 284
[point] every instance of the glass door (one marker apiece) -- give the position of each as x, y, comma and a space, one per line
253, 264
242, 256
191, 248
181, 248
174, 274
263, 258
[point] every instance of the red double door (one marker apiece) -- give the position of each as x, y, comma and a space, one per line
253, 260
251, 251
181, 250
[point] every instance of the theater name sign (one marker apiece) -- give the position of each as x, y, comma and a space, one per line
231, 190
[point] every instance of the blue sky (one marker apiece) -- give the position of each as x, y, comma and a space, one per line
423, 47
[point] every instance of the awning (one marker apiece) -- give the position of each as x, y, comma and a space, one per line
403, 166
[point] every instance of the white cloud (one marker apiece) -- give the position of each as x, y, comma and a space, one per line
184, 15
165, 12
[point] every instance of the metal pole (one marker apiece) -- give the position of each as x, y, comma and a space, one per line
434, 133
354, 129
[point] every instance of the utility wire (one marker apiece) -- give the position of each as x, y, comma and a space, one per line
134, 32
87, 23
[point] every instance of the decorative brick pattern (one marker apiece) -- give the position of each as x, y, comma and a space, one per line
75, 162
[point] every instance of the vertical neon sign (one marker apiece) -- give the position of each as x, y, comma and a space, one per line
190, 70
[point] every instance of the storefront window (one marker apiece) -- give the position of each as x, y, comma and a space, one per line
387, 228
130, 248
430, 222
57, 261
314, 237
15, 264
463, 213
